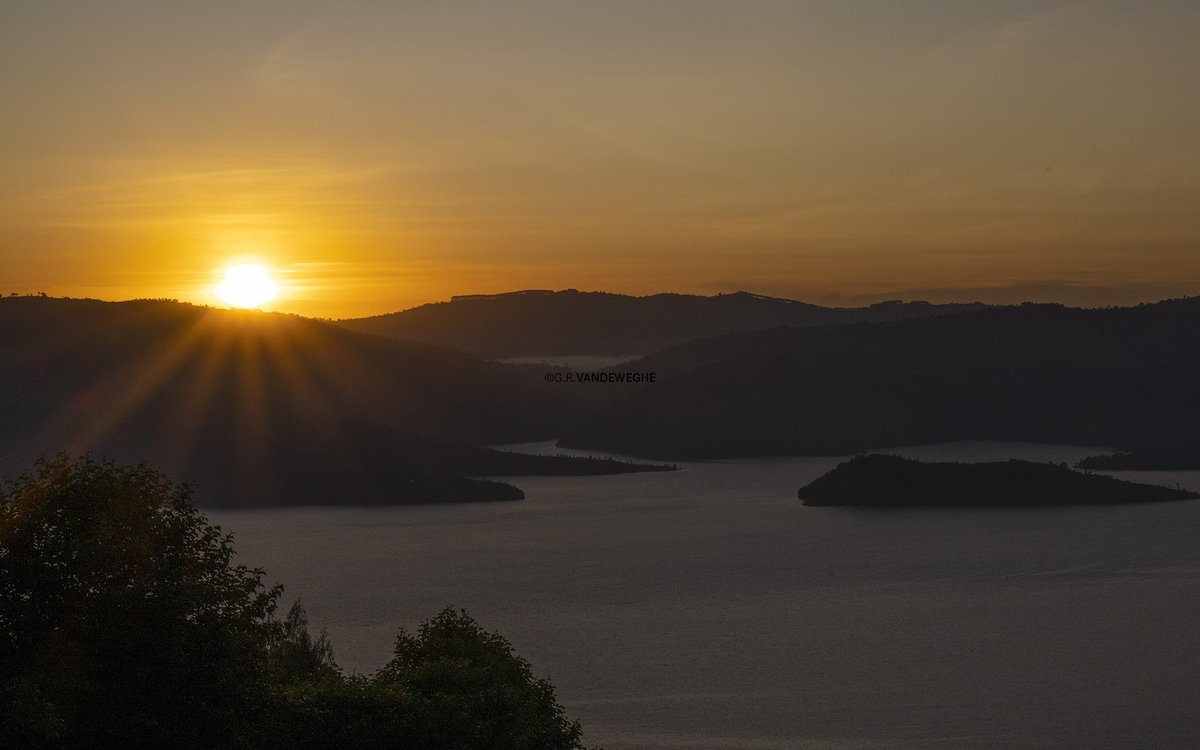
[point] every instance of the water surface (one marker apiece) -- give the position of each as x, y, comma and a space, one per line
707, 608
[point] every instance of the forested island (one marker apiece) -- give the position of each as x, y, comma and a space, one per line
891, 481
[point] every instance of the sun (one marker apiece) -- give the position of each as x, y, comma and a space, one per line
247, 285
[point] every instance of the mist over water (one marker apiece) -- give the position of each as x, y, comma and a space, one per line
709, 608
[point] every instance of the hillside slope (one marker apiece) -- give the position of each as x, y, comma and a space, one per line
1043, 373
570, 322
264, 408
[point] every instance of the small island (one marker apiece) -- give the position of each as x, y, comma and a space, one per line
894, 482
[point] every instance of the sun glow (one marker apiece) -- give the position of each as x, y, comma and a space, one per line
247, 285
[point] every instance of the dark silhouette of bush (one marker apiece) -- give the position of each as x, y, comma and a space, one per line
449, 685
472, 691
124, 622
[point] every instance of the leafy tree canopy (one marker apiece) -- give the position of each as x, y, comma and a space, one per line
122, 617
124, 622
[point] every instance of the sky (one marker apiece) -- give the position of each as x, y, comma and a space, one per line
378, 155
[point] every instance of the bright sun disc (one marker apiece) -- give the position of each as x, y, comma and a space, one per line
247, 285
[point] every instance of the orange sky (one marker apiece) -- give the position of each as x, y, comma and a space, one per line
380, 155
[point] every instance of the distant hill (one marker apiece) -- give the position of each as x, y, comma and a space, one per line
1173, 458
1042, 373
570, 322
892, 482
266, 409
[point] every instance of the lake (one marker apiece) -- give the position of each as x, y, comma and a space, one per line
707, 608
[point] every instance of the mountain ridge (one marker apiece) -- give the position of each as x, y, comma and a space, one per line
265, 408
1035, 373
542, 322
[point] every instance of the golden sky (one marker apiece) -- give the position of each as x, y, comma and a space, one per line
383, 154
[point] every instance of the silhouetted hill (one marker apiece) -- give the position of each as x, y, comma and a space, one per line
263, 408
1041, 373
890, 481
570, 322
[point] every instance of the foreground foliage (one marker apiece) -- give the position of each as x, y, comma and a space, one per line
125, 623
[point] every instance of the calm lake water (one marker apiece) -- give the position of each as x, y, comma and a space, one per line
707, 608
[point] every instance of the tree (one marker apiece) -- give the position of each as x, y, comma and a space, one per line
123, 621
471, 691
450, 686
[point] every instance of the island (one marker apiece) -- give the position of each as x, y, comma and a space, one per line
890, 481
